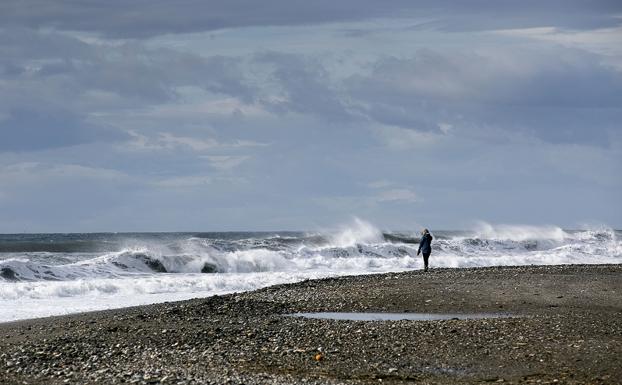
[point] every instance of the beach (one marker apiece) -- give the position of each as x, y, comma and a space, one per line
310, 192
559, 324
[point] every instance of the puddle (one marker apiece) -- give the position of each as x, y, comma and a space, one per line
399, 316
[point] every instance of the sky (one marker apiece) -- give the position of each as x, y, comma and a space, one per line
191, 115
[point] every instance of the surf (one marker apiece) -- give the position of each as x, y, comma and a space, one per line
82, 272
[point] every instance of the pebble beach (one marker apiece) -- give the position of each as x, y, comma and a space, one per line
561, 324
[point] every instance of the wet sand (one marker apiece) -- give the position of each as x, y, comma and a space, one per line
566, 327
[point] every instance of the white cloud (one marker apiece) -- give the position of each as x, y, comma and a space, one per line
445, 127
602, 41
34, 172
168, 141
203, 105
184, 182
398, 195
225, 162
191, 182
404, 138
379, 184
356, 203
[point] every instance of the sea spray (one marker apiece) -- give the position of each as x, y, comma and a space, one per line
46, 274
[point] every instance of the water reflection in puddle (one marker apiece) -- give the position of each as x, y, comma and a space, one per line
398, 316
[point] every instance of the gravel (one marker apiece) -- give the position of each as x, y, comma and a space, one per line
566, 327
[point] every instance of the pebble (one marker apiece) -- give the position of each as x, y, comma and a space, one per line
244, 338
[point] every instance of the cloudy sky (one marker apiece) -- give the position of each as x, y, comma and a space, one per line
155, 115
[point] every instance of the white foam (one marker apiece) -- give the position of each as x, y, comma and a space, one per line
484, 230
24, 300
128, 277
358, 232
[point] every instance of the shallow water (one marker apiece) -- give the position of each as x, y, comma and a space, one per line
399, 316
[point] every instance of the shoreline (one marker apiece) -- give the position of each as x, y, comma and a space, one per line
568, 329
371, 274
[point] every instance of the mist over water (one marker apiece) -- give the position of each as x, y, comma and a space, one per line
51, 274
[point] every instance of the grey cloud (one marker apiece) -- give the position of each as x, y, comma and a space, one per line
523, 115
33, 172
60, 196
54, 85
544, 77
32, 129
480, 15
528, 89
19, 43
131, 70
416, 116
558, 95
551, 93
152, 75
592, 126
305, 86
563, 78
148, 18
145, 18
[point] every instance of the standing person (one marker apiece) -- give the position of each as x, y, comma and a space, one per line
425, 247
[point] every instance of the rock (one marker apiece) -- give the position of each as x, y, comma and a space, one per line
154, 265
8, 274
209, 268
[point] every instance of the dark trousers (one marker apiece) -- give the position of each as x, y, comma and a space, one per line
426, 256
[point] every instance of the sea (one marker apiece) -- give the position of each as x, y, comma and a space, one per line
54, 274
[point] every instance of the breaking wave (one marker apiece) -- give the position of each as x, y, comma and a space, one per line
120, 270
358, 248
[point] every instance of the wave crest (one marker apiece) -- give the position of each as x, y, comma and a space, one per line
359, 247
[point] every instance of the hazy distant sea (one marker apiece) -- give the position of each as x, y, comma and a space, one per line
52, 274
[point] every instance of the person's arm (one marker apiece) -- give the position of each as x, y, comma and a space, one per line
421, 244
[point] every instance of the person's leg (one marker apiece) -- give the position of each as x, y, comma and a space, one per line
426, 256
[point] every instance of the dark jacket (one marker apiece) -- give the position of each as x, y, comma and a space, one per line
425, 246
